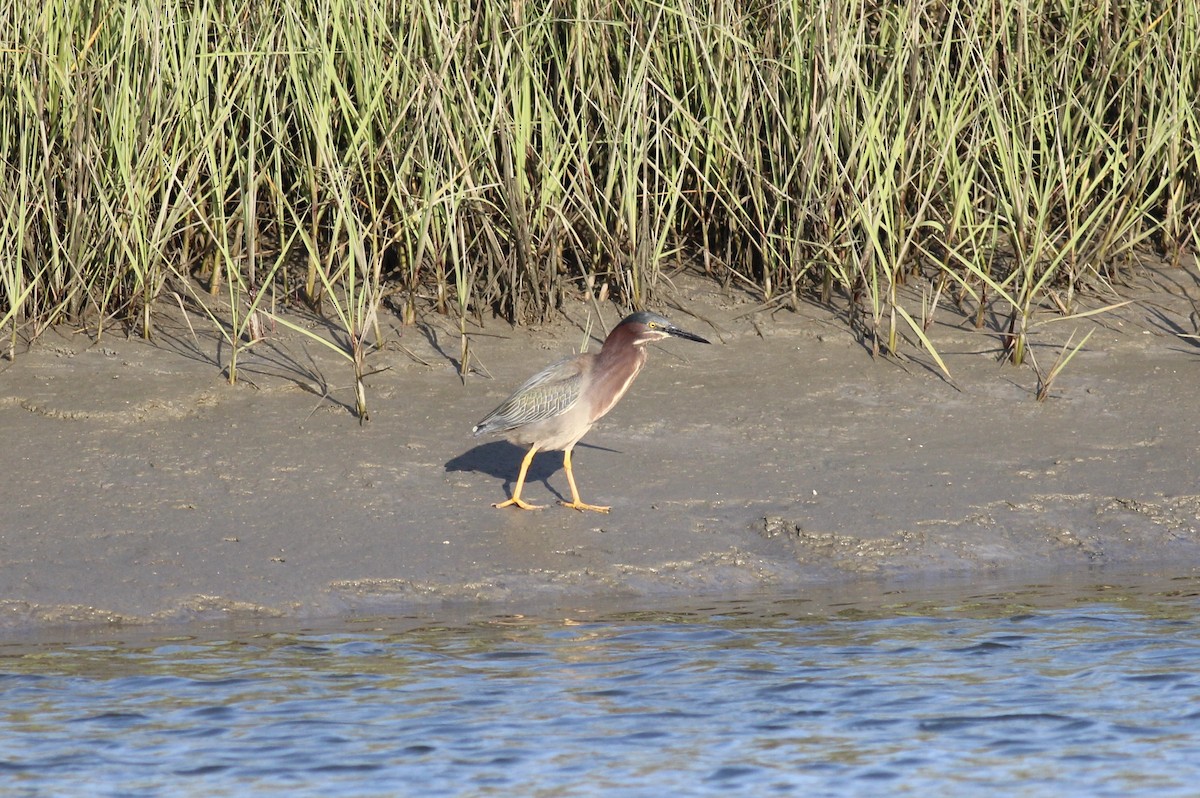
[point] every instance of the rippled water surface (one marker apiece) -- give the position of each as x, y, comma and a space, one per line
1039, 690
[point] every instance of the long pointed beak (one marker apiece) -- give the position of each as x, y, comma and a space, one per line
678, 333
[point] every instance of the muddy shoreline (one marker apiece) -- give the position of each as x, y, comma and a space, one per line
141, 488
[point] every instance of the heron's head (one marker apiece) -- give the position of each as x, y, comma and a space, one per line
645, 327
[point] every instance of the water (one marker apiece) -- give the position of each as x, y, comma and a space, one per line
1083, 690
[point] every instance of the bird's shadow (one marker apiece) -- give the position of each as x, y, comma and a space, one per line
502, 460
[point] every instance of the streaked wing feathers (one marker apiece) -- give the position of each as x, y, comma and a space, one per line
551, 392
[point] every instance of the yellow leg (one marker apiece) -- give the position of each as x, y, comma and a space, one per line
516, 497
575, 503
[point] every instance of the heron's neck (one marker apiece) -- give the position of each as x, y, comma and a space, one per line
619, 343
617, 365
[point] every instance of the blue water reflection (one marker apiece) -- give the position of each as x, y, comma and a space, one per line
1033, 691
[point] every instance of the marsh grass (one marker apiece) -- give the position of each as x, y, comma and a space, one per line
496, 157
1045, 379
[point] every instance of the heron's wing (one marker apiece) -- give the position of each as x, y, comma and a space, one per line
552, 391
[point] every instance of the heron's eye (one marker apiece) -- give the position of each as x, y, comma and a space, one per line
653, 325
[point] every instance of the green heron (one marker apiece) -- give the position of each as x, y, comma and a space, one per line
558, 405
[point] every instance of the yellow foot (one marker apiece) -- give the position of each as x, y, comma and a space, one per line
580, 506
524, 505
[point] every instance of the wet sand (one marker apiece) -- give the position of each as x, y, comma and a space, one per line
139, 487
